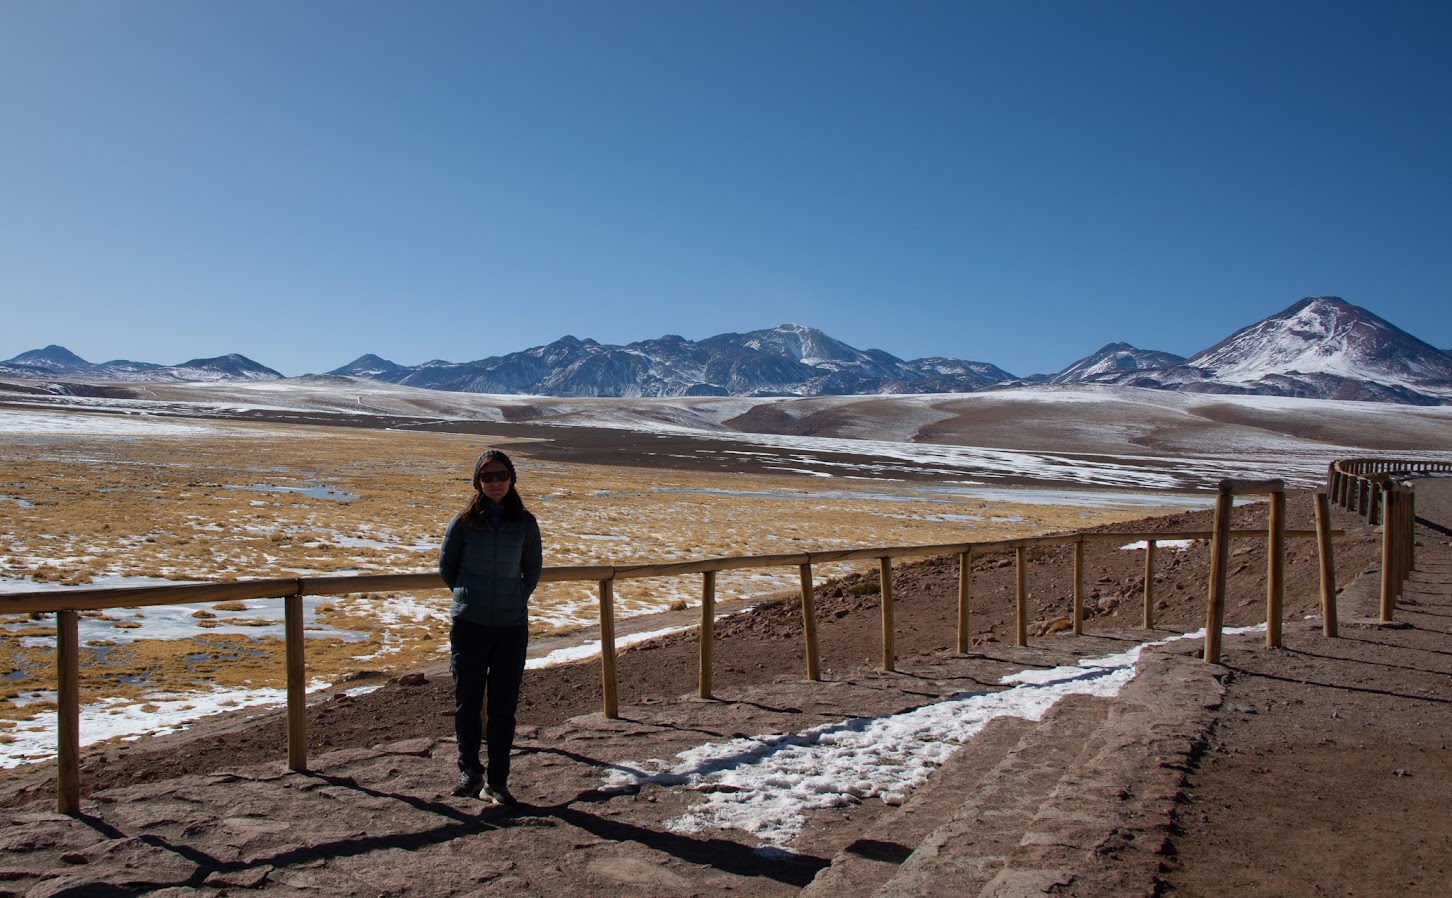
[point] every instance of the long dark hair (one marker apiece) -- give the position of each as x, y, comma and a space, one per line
476, 511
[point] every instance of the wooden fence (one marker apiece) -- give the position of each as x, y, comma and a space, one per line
1359, 484
67, 605
1382, 490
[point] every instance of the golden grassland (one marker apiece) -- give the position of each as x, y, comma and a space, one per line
267, 500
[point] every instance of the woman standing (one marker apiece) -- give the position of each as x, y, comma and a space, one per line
491, 558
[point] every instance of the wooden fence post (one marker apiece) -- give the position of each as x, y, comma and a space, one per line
809, 623
1409, 533
1219, 573
608, 682
1389, 553
1020, 605
297, 686
889, 635
1399, 546
68, 712
1079, 586
965, 585
1328, 565
1275, 578
1149, 584
708, 631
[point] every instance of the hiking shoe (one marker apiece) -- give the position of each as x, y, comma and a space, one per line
500, 796
470, 782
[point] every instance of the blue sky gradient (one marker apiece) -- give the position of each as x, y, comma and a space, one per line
1015, 183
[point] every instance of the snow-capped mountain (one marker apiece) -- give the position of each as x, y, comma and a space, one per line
1113, 361
60, 363
1322, 347
372, 367
790, 360
227, 367
57, 361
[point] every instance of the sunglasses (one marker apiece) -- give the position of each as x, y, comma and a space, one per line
494, 476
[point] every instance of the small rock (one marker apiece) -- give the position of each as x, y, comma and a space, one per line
1057, 625
410, 679
247, 878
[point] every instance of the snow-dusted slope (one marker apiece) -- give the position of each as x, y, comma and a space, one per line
1322, 348
1114, 361
1088, 434
1326, 335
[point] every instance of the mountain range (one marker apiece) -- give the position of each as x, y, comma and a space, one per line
1320, 347
60, 363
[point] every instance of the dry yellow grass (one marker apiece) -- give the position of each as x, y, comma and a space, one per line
267, 500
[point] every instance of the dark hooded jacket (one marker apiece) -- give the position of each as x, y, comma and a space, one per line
492, 570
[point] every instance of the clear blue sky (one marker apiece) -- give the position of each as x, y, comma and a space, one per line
1011, 182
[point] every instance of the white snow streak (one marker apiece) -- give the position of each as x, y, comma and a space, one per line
764, 785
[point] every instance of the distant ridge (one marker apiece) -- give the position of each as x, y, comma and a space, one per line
60, 363
790, 360
1320, 347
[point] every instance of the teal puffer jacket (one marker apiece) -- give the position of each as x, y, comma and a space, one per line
492, 571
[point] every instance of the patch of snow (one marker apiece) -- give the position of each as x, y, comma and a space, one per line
765, 785
110, 718
589, 650
1176, 544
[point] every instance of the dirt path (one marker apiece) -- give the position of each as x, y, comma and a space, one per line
1329, 772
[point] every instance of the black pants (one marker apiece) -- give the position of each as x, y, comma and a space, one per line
486, 660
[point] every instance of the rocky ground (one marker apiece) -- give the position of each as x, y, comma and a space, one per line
1318, 768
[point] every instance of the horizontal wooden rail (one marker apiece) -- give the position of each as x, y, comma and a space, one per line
1252, 487
83, 598
67, 603
1358, 484
1383, 490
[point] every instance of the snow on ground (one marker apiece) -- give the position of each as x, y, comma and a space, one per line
1196, 444
66, 424
35, 739
587, 651
765, 785
180, 622
255, 619
113, 718
1176, 544
885, 458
